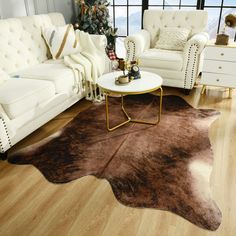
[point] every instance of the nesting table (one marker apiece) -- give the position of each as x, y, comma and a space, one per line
148, 82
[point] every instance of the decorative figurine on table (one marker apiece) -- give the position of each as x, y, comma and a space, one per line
133, 72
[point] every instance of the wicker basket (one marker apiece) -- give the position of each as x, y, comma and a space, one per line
222, 39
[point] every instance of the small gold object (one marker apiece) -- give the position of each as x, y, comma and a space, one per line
122, 80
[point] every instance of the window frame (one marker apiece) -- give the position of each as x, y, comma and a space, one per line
200, 5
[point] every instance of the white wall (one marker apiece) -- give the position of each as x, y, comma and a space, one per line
14, 8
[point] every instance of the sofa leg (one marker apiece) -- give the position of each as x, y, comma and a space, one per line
3, 156
187, 91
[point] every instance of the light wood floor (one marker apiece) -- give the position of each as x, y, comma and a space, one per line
29, 205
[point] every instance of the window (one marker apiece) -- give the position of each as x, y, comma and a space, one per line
172, 4
126, 15
217, 10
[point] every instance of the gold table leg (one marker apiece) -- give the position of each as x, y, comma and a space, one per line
129, 119
230, 92
203, 89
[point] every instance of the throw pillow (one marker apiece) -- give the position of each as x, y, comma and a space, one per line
3, 76
61, 40
172, 38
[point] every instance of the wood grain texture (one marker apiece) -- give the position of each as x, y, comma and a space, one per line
29, 205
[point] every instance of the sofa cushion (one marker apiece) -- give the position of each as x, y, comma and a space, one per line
61, 40
162, 59
172, 38
19, 95
56, 72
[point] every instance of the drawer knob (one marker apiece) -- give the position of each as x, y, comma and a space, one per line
222, 54
217, 80
220, 67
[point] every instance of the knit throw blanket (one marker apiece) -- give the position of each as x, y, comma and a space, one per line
88, 65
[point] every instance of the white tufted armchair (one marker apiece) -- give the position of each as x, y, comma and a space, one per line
177, 68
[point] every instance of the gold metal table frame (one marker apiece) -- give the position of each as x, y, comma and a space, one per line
129, 119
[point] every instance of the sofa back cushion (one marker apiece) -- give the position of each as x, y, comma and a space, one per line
21, 41
194, 20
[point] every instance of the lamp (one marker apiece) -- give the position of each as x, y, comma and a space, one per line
223, 39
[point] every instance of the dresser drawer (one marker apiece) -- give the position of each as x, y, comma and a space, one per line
220, 53
221, 67
218, 80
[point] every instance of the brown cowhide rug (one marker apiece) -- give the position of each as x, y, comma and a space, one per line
166, 166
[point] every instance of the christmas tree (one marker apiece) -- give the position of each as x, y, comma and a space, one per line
93, 17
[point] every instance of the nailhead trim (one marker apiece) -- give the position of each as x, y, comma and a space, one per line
128, 49
193, 67
7, 133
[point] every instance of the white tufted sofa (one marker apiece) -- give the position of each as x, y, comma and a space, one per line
39, 88
178, 68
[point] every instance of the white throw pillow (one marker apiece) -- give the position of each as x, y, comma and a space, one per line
61, 40
172, 38
3, 76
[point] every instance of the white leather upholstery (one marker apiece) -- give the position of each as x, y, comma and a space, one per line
61, 76
21, 43
171, 60
27, 94
183, 72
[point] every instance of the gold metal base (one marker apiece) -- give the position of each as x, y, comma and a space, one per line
129, 119
230, 92
203, 89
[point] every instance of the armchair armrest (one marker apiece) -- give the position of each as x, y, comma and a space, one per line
199, 40
135, 44
192, 58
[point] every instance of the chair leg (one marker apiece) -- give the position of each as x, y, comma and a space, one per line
3, 156
186, 91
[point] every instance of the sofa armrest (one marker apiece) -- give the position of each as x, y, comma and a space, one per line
100, 41
5, 133
135, 44
192, 57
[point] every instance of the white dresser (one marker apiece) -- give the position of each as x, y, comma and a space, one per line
219, 66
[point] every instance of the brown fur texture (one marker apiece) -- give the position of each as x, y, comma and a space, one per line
166, 166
